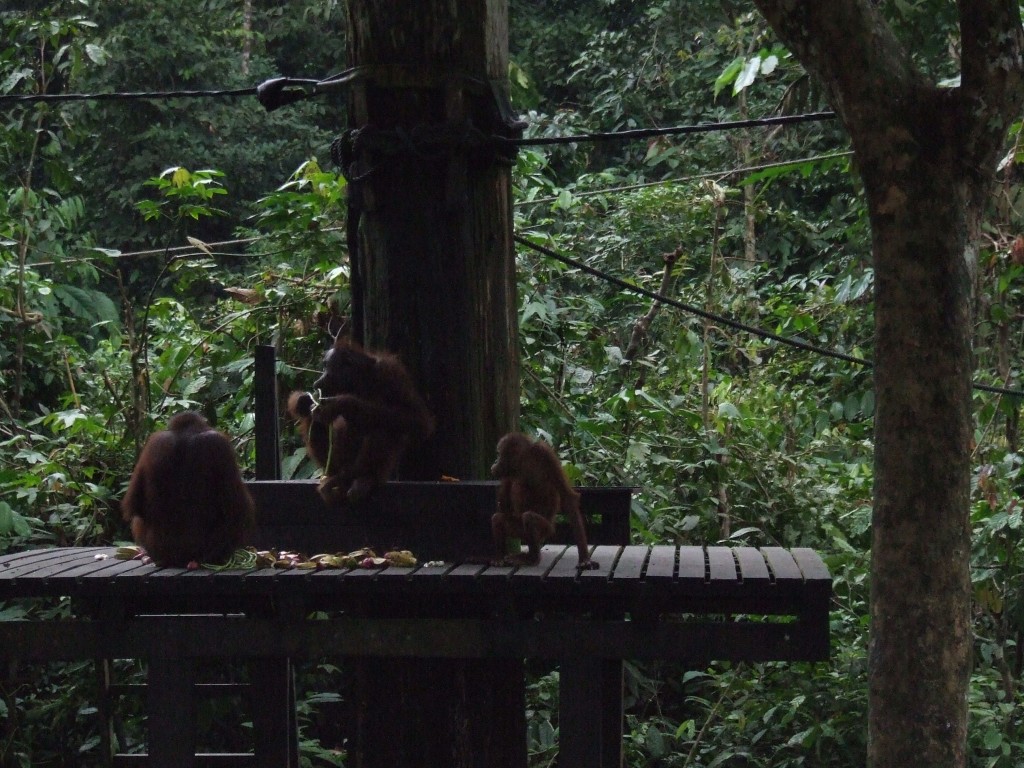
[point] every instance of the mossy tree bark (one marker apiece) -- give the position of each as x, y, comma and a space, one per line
926, 156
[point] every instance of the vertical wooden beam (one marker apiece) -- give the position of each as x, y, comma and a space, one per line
431, 185
268, 453
171, 713
590, 713
433, 189
272, 697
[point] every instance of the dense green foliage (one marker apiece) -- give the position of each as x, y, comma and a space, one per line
146, 247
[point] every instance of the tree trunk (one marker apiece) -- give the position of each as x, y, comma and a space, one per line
921, 640
434, 281
926, 156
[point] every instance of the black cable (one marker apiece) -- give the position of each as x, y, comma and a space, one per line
280, 91
646, 133
119, 96
735, 324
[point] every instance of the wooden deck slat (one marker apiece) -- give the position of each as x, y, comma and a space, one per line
549, 555
7, 562
395, 573
118, 569
467, 571
752, 565
661, 566
49, 559
630, 563
811, 565
783, 566
496, 575
565, 569
52, 568
105, 566
739, 580
692, 564
354, 574
431, 573
721, 565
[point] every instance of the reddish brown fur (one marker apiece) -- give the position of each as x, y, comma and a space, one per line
186, 501
534, 490
368, 414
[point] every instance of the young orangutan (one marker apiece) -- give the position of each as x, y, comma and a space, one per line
186, 501
534, 490
367, 414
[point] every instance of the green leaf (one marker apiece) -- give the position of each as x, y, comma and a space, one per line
748, 74
96, 53
12, 522
993, 738
729, 412
729, 74
12, 80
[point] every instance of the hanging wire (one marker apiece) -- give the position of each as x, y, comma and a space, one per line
42, 98
280, 91
678, 130
722, 320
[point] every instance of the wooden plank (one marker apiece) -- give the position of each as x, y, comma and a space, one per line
171, 713
18, 558
692, 564
119, 568
811, 565
533, 574
753, 569
580, 710
605, 556
556, 637
396, 573
565, 569
661, 565
359, 574
46, 561
431, 574
45, 576
629, 565
783, 567
721, 566
99, 565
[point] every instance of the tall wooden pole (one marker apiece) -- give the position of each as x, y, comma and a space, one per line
434, 282
432, 189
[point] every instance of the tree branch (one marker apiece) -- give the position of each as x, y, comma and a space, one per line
852, 51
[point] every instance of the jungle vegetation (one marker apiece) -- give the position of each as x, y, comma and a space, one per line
147, 245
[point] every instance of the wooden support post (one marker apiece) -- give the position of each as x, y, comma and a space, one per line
430, 182
590, 713
435, 267
171, 713
272, 696
268, 452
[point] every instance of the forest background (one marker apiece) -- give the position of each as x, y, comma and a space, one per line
147, 245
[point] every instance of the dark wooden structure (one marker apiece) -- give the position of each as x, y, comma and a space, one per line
689, 603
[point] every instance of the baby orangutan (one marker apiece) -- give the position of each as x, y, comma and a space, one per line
534, 490
368, 413
186, 501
